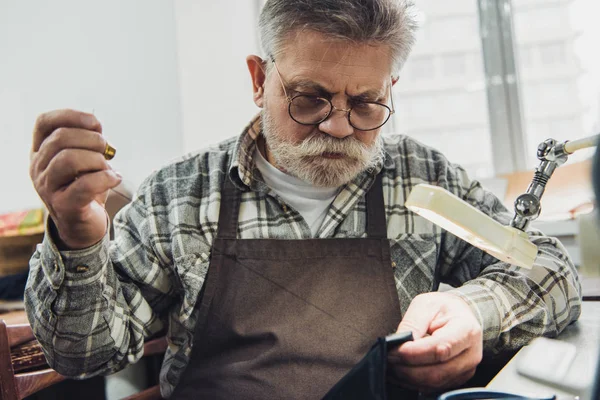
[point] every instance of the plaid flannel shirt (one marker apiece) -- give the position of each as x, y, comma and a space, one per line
94, 320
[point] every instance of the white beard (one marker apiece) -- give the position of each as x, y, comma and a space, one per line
306, 162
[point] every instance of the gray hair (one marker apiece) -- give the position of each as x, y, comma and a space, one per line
379, 22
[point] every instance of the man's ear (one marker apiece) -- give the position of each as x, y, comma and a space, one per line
257, 68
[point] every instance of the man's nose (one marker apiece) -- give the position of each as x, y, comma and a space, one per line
337, 125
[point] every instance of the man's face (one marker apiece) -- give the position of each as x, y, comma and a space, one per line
332, 153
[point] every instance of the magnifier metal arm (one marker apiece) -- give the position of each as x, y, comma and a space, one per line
527, 206
551, 155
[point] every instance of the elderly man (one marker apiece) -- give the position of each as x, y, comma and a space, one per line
275, 259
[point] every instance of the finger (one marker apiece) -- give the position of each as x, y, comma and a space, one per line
444, 344
70, 164
438, 376
417, 319
67, 138
83, 191
48, 122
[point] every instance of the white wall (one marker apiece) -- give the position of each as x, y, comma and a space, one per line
113, 56
213, 40
164, 77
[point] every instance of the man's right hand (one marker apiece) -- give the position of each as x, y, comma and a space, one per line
71, 175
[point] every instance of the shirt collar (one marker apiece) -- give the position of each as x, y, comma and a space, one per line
243, 171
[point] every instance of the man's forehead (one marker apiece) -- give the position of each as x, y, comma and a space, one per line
309, 53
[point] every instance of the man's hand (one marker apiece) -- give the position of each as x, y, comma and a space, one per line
448, 343
71, 176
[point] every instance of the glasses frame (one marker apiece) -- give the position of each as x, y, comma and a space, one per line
333, 108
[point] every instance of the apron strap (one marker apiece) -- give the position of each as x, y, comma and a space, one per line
229, 210
376, 222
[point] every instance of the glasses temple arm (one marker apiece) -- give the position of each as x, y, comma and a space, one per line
392, 96
281, 80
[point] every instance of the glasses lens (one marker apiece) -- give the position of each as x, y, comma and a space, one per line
368, 116
309, 109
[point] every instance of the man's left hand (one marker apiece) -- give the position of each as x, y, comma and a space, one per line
447, 346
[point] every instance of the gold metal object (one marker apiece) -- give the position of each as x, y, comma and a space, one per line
109, 152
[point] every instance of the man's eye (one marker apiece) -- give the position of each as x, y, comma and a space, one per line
362, 106
308, 101
310, 95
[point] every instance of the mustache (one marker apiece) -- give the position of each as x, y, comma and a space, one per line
318, 143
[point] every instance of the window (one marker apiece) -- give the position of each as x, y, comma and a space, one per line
561, 91
417, 108
555, 98
552, 53
453, 141
454, 65
422, 68
526, 57
448, 109
449, 28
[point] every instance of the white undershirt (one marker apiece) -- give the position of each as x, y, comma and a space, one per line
312, 202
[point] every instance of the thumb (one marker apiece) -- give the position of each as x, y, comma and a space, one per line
418, 318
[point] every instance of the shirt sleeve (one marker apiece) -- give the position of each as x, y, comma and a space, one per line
91, 309
514, 305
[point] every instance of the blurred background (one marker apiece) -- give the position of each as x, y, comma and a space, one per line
542, 53
487, 81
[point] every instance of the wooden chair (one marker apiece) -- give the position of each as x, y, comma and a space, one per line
24, 371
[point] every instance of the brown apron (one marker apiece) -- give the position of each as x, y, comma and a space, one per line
286, 319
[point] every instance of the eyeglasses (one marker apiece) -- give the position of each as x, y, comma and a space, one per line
313, 110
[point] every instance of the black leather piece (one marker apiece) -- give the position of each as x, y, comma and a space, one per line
367, 380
